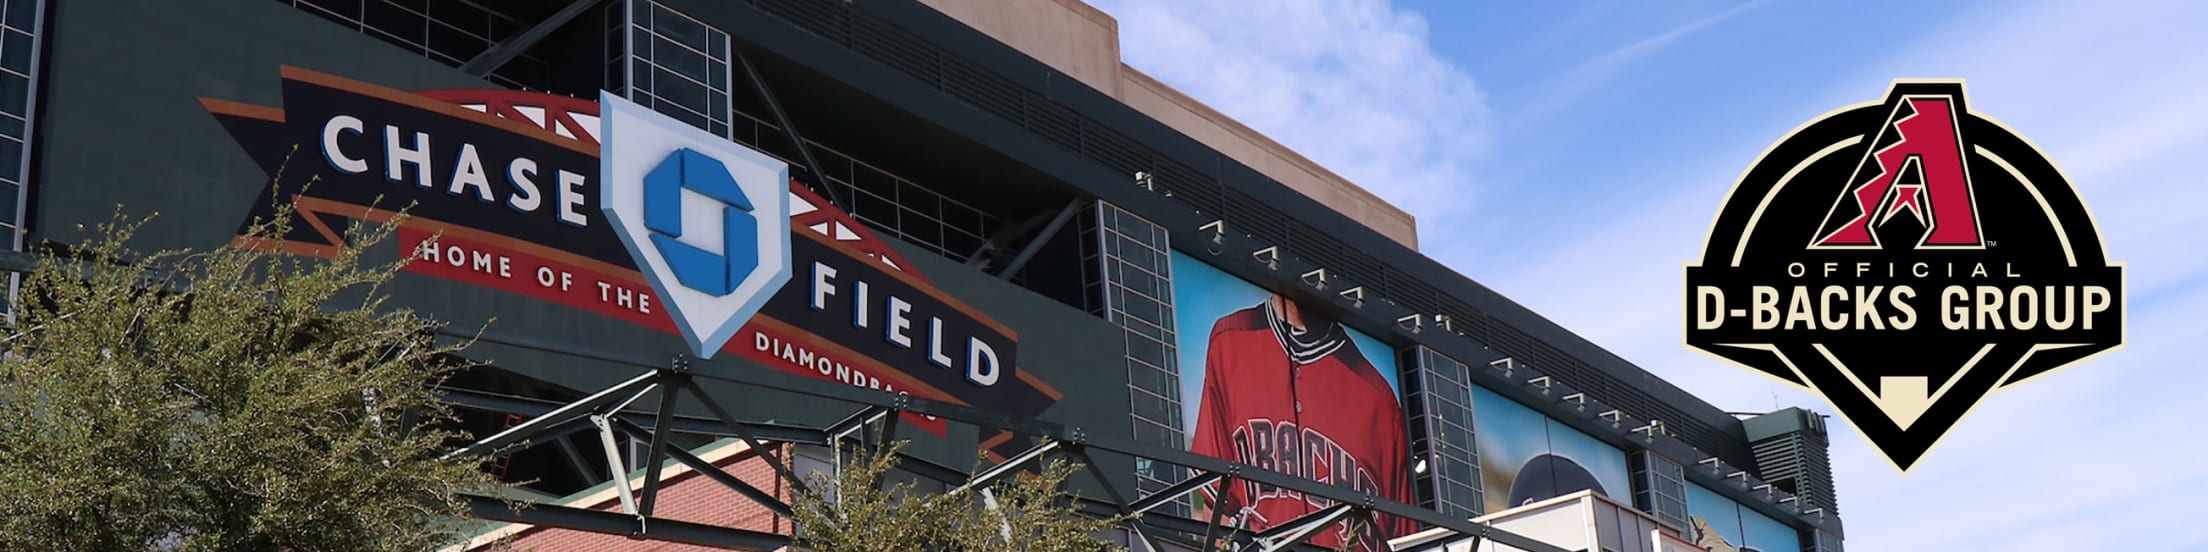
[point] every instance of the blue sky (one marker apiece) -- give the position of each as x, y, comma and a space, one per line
1571, 155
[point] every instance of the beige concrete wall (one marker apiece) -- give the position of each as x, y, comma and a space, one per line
1067, 35
1084, 42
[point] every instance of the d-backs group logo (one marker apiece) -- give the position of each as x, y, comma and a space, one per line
1904, 259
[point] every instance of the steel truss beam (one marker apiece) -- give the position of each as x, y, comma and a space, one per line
491, 59
805, 152
1301, 529
1055, 437
1042, 237
610, 523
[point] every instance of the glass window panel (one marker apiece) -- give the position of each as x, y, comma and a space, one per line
11, 160
8, 195
21, 14
1147, 350
671, 87
15, 52
679, 112
11, 126
681, 29
681, 60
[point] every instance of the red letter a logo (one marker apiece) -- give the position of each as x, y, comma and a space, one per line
1915, 167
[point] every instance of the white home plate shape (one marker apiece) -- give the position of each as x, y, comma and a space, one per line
707, 219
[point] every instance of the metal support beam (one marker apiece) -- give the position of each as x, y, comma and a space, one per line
855, 421
1170, 494
493, 508
781, 468
710, 471
1216, 511
497, 56
1112, 491
1012, 464
557, 416
668, 395
1301, 529
763, 378
782, 118
682, 424
618, 471
1041, 237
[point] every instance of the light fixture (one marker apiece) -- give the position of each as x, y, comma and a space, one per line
1542, 382
1218, 230
1142, 178
1420, 467
1270, 256
1578, 400
1356, 295
1316, 278
1409, 322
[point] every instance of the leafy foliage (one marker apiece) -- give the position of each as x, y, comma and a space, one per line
232, 399
852, 511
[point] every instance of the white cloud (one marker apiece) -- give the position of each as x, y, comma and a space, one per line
1353, 84
1571, 85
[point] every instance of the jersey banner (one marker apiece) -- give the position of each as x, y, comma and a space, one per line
501, 189
1269, 384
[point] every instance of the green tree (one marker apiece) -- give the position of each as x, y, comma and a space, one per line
852, 511
223, 400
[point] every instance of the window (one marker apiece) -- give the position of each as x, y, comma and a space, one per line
19, 66
1133, 288
1660, 487
1435, 388
670, 63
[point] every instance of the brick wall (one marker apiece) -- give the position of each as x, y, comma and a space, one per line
684, 496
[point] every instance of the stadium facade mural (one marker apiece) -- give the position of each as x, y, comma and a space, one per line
1269, 384
1721, 525
1526, 457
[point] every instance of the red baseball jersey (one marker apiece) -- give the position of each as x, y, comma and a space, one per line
1304, 402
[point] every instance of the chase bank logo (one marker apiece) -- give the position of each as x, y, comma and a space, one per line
697, 268
706, 219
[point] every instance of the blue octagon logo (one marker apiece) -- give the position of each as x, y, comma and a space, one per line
713, 273
706, 220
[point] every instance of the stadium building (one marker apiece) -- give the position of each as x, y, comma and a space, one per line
1003, 240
